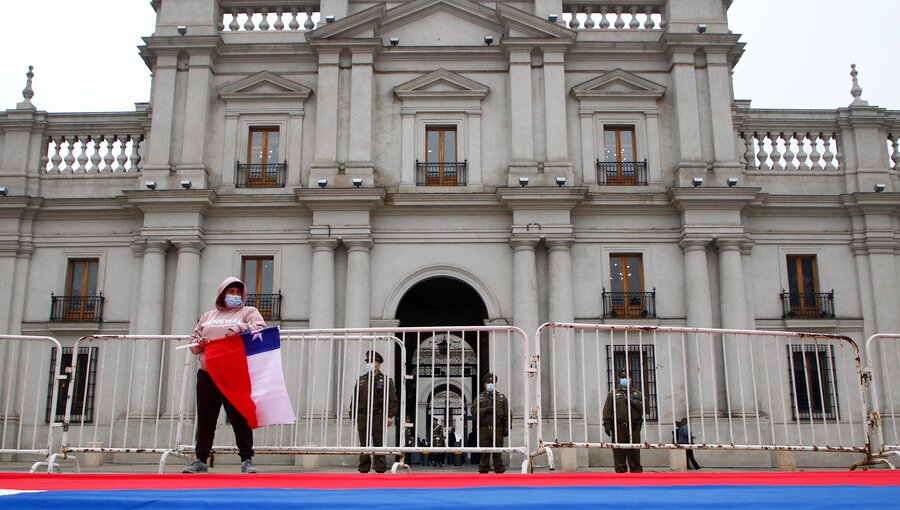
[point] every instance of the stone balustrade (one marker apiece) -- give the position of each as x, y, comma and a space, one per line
893, 141
285, 16
111, 144
788, 140
620, 15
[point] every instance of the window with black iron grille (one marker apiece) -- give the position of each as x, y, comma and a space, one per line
814, 387
258, 274
641, 363
85, 382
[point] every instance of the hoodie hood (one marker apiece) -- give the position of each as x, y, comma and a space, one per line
220, 295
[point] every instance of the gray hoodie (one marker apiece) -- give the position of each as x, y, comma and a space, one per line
215, 323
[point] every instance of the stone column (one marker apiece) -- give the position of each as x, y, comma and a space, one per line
562, 309
555, 106
521, 126
883, 269
698, 307
408, 148
357, 310
733, 310
360, 150
588, 147
684, 80
145, 375
195, 113
525, 299
321, 316
160, 143
719, 77
327, 109
7, 281
185, 313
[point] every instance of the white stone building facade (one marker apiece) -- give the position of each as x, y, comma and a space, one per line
449, 162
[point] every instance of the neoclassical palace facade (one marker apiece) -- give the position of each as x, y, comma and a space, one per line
449, 162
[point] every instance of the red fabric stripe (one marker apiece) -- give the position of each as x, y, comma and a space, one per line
27, 481
226, 362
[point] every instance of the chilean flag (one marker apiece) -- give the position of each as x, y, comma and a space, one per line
247, 369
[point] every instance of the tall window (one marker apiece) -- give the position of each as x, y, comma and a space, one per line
81, 289
85, 380
262, 155
640, 361
440, 156
258, 274
620, 155
626, 282
814, 388
803, 285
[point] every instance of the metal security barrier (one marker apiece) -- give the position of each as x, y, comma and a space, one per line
738, 389
27, 423
883, 367
435, 372
135, 388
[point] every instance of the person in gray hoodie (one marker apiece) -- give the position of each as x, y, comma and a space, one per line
230, 317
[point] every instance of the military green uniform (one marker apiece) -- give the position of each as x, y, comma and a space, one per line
492, 427
376, 416
617, 426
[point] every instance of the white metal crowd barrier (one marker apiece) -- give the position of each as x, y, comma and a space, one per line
140, 386
738, 389
883, 366
435, 372
28, 420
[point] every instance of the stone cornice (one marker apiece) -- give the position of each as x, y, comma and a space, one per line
341, 199
713, 198
542, 197
176, 200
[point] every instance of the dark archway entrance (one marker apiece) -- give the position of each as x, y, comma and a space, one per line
443, 302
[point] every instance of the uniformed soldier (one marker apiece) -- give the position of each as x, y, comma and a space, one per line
491, 412
622, 422
373, 417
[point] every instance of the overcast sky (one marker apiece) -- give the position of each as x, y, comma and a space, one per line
798, 53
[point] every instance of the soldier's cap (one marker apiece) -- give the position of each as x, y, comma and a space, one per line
489, 377
378, 358
621, 374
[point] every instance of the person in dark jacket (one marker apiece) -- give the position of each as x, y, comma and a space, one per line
622, 421
369, 410
491, 412
683, 436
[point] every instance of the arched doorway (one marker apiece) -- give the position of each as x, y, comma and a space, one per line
445, 366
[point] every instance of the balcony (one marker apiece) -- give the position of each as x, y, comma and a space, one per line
819, 305
76, 308
629, 305
269, 305
622, 173
441, 174
256, 175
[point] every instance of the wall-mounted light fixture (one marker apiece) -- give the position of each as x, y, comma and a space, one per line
4, 191
322, 183
523, 181
151, 185
731, 182
181, 29
329, 19
697, 182
357, 182
488, 40
560, 181
701, 28
186, 184
878, 187
552, 18
395, 41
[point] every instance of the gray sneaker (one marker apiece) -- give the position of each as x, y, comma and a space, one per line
195, 467
248, 467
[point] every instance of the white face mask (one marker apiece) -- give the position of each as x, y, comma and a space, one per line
489, 387
370, 367
232, 301
623, 383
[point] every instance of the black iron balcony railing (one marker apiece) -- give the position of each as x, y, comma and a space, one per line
629, 305
269, 305
441, 174
819, 305
76, 308
256, 175
622, 173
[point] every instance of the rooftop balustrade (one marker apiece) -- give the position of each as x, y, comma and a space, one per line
283, 16
619, 16
790, 140
94, 143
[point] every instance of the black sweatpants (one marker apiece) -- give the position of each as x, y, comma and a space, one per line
209, 401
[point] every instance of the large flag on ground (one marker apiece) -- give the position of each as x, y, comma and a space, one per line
247, 369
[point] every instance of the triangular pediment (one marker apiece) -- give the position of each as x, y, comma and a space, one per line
443, 84
264, 85
440, 23
618, 83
